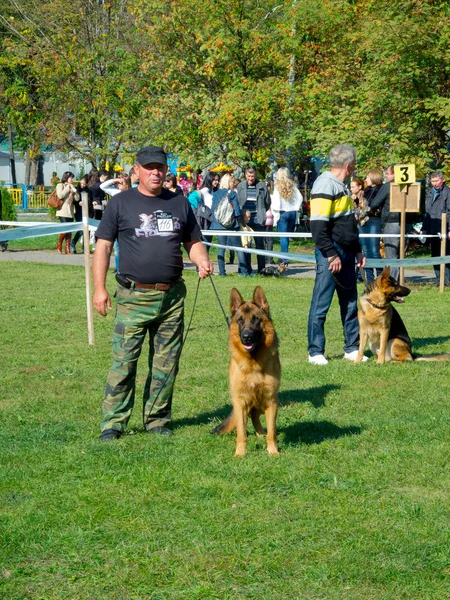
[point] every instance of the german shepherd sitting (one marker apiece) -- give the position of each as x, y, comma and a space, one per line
254, 370
381, 325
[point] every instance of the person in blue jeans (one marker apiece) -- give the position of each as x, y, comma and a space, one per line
254, 196
286, 204
338, 252
226, 189
371, 245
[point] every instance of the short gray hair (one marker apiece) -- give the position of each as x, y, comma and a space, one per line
437, 174
341, 155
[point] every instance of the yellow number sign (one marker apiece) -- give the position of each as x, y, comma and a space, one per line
404, 174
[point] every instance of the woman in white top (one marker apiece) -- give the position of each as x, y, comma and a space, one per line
113, 187
286, 204
116, 185
210, 185
66, 192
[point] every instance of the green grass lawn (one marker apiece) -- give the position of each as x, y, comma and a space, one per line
356, 506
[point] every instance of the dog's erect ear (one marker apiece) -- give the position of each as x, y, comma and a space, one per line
386, 273
259, 299
235, 300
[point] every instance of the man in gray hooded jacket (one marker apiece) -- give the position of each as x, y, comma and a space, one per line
254, 197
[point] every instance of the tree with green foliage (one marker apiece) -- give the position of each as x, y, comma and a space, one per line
240, 81
83, 77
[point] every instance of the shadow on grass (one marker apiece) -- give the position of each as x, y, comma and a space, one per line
206, 418
315, 432
421, 342
314, 395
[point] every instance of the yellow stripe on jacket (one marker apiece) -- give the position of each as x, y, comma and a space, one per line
324, 209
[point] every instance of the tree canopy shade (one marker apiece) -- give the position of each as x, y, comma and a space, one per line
238, 80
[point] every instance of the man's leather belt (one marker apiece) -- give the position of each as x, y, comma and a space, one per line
161, 287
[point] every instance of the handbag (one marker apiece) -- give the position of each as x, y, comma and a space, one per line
224, 213
54, 201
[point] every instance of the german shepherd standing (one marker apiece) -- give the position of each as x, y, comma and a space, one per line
254, 370
381, 325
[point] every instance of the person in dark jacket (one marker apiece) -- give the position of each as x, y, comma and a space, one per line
98, 195
437, 202
254, 196
84, 194
226, 189
371, 245
390, 221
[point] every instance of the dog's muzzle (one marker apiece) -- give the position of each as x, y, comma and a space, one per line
249, 339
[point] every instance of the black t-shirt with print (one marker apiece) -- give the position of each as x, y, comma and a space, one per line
150, 231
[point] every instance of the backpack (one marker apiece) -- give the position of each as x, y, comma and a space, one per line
224, 213
203, 215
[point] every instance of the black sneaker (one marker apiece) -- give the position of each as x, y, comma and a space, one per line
110, 434
161, 430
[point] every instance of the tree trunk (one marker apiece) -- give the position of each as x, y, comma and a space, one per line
12, 161
27, 167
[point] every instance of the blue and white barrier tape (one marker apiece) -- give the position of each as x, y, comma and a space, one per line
20, 233
371, 262
40, 230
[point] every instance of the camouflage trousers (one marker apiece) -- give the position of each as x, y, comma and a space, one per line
161, 314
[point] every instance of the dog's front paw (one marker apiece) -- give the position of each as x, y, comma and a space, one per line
240, 449
273, 452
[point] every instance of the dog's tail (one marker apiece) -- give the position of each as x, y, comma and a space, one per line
432, 357
229, 424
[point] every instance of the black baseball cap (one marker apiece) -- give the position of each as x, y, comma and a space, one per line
151, 154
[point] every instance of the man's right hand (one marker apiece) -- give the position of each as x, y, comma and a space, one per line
335, 265
102, 301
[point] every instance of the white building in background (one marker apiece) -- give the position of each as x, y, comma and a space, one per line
52, 161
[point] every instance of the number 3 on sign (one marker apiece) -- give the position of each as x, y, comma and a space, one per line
404, 174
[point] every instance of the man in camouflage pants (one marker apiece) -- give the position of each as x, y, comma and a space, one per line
150, 224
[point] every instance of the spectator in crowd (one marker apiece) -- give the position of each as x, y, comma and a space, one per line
357, 192
236, 182
210, 185
286, 205
390, 221
150, 294
268, 225
247, 242
194, 197
335, 234
226, 190
54, 179
372, 225
99, 195
185, 183
133, 178
437, 202
116, 185
254, 197
112, 187
83, 194
171, 184
65, 190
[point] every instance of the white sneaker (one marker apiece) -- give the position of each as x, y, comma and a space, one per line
353, 355
318, 359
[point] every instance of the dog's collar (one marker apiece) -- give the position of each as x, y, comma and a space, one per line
376, 305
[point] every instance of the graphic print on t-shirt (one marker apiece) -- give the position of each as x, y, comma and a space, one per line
158, 223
